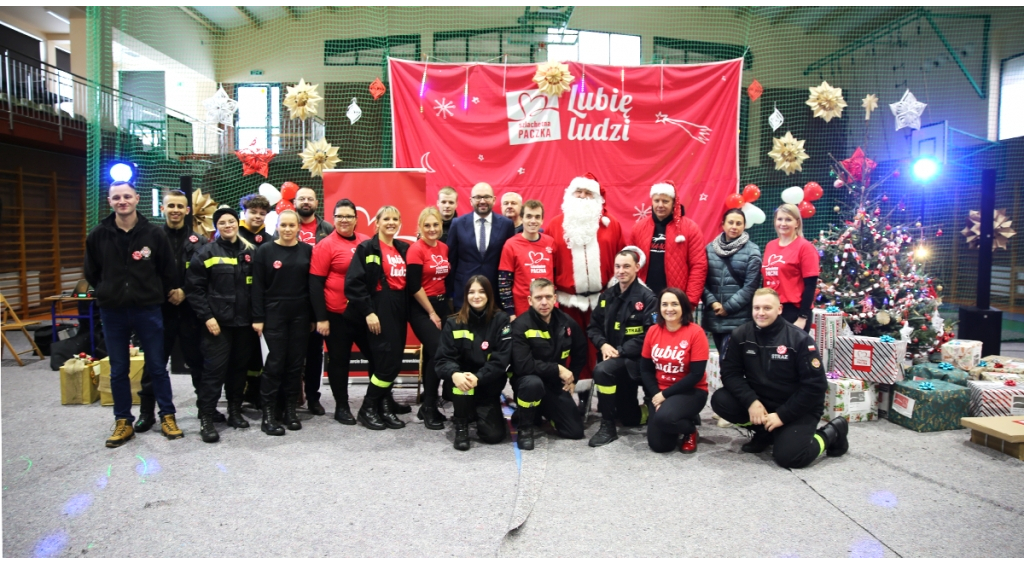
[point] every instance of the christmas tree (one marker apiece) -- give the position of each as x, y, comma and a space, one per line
871, 265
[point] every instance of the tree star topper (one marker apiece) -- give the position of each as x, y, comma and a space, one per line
826, 101
319, 156
788, 153
907, 111
255, 159
301, 100
870, 104
553, 78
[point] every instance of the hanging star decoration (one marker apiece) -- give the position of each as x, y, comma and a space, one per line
788, 153
776, 119
1001, 229
755, 90
220, 108
859, 167
302, 100
907, 111
354, 113
255, 159
377, 88
553, 78
203, 207
319, 156
826, 101
870, 104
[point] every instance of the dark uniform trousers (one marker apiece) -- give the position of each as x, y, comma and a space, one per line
674, 418
554, 403
226, 357
179, 324
430, 337
286, 329
387, 349
313, 373
483, 405
796, 442
346, 330
617, 381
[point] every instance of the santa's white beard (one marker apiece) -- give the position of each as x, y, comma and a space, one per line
581, 221
582, 218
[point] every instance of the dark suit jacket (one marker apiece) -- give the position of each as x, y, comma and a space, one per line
465, 258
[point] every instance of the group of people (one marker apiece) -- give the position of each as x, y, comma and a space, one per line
559, 313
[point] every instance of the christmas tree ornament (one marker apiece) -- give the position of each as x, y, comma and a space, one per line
203, 207
839, 183
755, 90
255, 159
553, 78
882, 317
775, 120
870, 104
826, 101
859, 166
319, 156
788, 153
301, 100
377, 88
907, 111
1001, 229
837, 209
220, 108
354, 113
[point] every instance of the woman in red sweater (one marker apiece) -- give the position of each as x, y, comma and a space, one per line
672, 366
791, 267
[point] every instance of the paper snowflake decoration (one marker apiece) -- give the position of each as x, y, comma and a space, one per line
553, 78
301, 100
443, 108
826, 101
255, 159
907, 111
776, 119
319, 156
1001, 229
642, 212
870, 104
220, 108
354, 113
788, 153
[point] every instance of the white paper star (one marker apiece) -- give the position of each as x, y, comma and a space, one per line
220, 108
521, 170
703, 197
444, 108
907, 111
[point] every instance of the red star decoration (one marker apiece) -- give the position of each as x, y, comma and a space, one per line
255, 159
859, 166
377, 88
755, 90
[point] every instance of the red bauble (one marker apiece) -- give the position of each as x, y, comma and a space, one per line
938, 233
896, 173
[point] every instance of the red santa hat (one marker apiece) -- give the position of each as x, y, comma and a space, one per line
589, 183
668, 188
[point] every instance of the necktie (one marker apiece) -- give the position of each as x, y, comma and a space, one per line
482, 239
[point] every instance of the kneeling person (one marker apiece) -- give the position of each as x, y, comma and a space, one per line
773, 380
549, 351
472, 359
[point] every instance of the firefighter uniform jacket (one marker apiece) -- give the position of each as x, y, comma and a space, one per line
621, 319
538, 348
365, 274
219, 281
478, 347
129, 269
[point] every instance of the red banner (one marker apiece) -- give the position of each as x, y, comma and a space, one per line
631, 127
369, 189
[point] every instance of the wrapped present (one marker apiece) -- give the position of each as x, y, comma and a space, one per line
138, 361
1001, 377
883, 400
929, 405
961, 353
79, 379
854, 400
868, 358
713, 373
993, 399
825, 327
938, 371
996, 363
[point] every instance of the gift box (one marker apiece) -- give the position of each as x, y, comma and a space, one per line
134, 374
961, 353
883, 400
78, 382
713, 373
1001, 377
929, 405
868, 358
854, 400
939, 371
825, 327
996, 363
994, 399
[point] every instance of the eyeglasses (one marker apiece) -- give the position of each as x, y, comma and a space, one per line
346, 217
485, 198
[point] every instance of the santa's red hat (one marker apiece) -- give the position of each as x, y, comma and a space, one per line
589, 183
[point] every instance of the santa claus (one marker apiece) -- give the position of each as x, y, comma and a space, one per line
586, 241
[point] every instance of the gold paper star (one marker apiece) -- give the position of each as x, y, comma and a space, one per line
301, 100
870, 104
788, 153
553, 78
1001, 229
203, 207
319, 156
826, 101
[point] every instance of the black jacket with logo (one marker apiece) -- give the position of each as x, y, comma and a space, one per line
129, 269
258, 238
478, 346
538, 348
778, 365
365, 273
219, 281
622, 319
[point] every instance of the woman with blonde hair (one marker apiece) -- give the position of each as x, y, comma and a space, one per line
791, 267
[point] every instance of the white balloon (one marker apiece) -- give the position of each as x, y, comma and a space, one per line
753, 214
793, 195
268, 191
270, 222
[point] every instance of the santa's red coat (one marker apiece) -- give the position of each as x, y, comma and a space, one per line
582, 291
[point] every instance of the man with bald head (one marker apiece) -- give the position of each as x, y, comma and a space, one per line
512, 208
476, 241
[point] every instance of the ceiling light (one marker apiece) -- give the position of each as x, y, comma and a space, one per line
59, 17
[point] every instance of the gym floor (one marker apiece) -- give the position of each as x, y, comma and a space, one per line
339, 491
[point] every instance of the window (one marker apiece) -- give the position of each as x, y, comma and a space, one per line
1011, 91
492, 44
370, 51
259, 116
593, 47
673, 51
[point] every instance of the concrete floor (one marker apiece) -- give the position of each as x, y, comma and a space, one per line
331, 490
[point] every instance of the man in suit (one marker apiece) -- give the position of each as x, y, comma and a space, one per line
476, 241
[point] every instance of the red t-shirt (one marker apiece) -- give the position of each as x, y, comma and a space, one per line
307, 232
435, 265
784, 268
394, 267
527, 261
331, 257
673, 352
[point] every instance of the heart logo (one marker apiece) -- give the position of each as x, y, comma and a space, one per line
532, 104
775, 259
438, 259
536, 258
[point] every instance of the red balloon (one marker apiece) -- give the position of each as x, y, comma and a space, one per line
812, 192
288, 190
751, 193
734, 201
806, 209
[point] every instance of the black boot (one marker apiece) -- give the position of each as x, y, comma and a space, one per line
834, 433
762, 439
291, 419
342, 414
369, 416
431, 417
461, 433
270, 425
235, 418
314, 407
218, 417
584, 403
397, 407
206, 429
605, 434
524, 431
146, 418
387, 413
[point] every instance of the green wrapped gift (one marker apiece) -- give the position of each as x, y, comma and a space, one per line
929, 405
939, 371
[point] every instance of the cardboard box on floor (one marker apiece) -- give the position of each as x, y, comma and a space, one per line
78, 387
1005, 434
134, 374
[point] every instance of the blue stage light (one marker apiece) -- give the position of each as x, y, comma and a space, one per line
122, 172
925, 169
